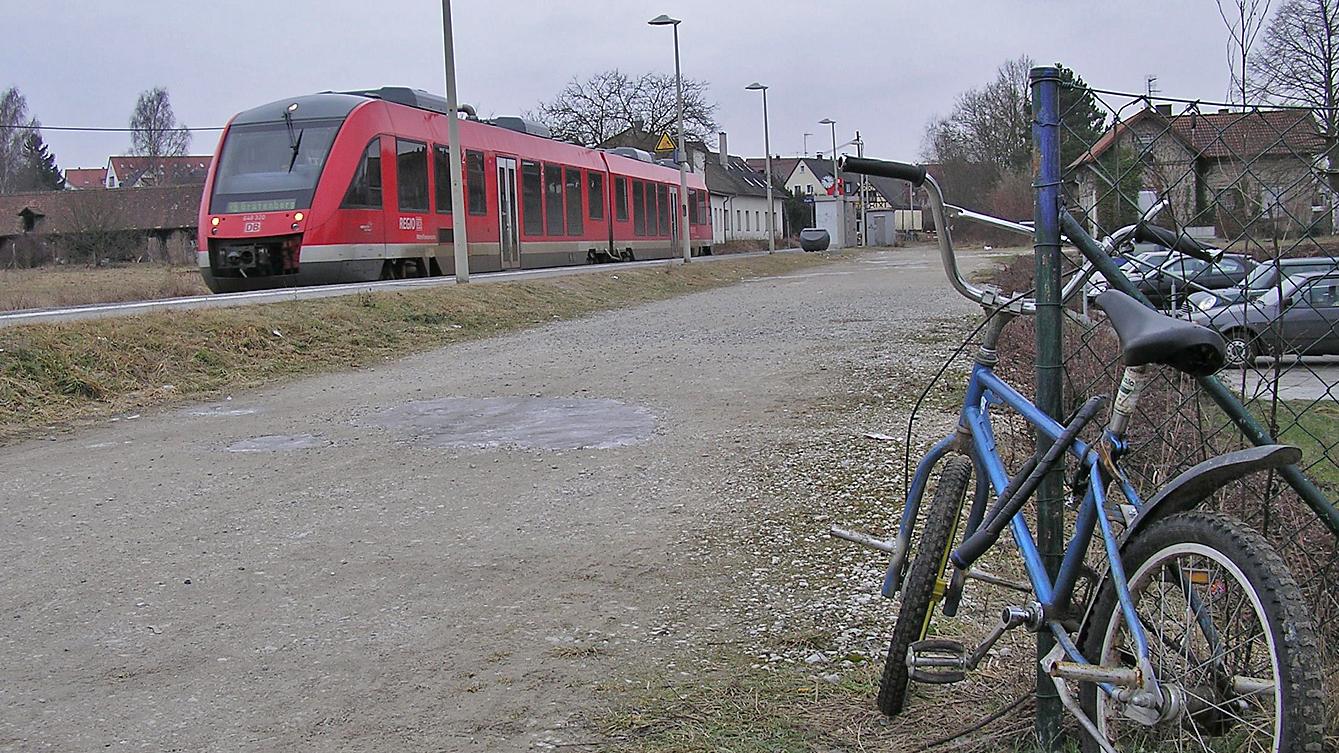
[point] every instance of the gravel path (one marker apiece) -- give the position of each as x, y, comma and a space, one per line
442, 553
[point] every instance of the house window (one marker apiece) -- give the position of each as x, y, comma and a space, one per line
411, 164
532, 198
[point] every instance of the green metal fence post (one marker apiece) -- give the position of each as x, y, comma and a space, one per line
1050, 509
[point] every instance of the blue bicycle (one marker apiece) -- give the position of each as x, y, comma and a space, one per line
1196, 637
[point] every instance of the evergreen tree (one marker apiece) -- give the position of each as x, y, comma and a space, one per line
37, 166
1082, 120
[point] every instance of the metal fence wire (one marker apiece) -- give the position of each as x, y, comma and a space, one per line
1258, 182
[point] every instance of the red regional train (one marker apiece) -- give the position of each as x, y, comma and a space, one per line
354, 186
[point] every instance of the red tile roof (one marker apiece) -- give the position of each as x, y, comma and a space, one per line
86, 177
1244, 135
153, 208
176, 170
1250, 134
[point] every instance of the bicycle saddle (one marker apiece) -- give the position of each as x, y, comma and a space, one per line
1147, 336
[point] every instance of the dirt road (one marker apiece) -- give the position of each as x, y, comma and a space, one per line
449, 552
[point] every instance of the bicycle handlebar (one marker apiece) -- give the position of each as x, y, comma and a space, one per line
1144, 232
879, 168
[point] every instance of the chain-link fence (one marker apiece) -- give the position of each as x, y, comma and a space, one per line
1255, 181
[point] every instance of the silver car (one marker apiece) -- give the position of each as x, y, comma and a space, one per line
1299, 316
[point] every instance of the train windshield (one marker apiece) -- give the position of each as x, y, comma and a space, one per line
271, 167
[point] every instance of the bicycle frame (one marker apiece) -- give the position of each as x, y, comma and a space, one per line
975, 437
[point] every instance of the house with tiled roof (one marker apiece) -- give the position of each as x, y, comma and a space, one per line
152, 223
80, 178
1230, 169
125, 171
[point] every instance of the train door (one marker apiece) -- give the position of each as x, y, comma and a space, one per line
508, 239
674, 210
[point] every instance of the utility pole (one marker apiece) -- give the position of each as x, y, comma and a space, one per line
462, 253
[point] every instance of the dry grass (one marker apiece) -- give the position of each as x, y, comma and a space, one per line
54, 374
48, 287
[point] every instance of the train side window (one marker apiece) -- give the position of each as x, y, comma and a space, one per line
553, 199
365, 188
638, 208
652, 211
595, 195
662, 198
411, 163
441, 173
573, 192
477, 200
532, 198
621, 198
692, 206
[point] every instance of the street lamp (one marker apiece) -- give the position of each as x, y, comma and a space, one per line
681, 154
767, 148
836, 179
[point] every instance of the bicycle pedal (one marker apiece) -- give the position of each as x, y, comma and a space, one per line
937, 661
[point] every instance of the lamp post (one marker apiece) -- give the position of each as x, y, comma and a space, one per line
767, 148
806, 143
681, 153
864, 188
462, 254
836, 179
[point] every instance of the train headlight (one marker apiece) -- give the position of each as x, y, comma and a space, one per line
298, 217
214, 222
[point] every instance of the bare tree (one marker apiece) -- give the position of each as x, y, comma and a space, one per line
1244, 19
1298, 64
155, 131
15, 127
589, 112
992, 124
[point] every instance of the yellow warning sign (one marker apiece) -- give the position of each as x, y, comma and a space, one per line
666, 144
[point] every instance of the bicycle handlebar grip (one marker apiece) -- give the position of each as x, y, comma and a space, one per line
914, 174
1181, 242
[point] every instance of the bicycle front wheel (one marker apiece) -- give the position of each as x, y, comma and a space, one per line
925, 584
1230, 639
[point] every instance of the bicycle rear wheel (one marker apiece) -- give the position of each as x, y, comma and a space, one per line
1230, 639
925, 584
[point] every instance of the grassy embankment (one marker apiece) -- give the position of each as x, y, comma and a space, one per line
57, 374
48, 287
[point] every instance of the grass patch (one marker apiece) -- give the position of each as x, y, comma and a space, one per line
52, 374
52, 287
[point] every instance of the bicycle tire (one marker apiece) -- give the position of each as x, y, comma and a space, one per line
920, 592
1191, 557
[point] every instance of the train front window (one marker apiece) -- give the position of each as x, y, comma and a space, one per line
271, 167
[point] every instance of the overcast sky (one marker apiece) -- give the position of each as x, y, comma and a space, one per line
878, 66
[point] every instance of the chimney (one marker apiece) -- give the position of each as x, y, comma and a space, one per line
1223, 111
725, 151
1164, 110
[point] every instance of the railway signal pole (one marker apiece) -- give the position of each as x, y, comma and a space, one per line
681, 154
462, 254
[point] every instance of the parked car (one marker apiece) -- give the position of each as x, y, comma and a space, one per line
1300, 315
1261, 280
1133, 267
1172, 283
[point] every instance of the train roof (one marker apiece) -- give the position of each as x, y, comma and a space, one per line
309, 106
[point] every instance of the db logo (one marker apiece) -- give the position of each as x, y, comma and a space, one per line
250, 227
411, 223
